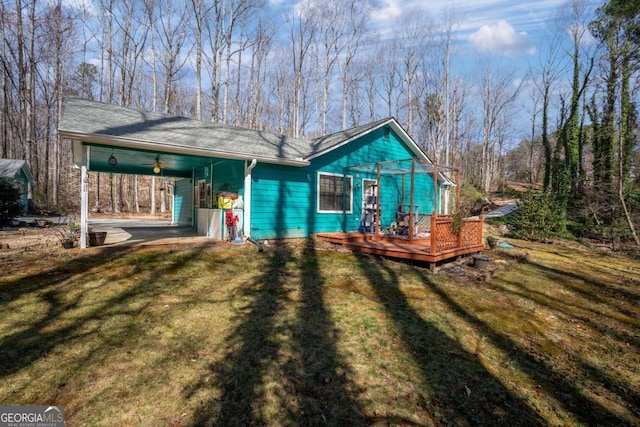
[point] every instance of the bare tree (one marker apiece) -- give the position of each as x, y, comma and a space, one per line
256, 91
5, 86
214, 19
356, 18
387, 58
302, 31
414, 38
170, 29
497, 94
198, 17
60, 37
548, 73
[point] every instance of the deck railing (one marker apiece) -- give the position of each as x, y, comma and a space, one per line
445, 238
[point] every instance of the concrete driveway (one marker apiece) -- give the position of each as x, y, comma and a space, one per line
145, 232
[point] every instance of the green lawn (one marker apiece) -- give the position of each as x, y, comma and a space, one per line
306, 335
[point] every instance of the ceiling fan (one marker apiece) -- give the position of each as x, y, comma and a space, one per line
157, 166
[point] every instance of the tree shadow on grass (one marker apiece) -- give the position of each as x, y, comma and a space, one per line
252, 349
556, 384
61, 291
314, 389
321, 380
461, 390
594, 320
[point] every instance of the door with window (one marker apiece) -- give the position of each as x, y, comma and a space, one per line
369, 204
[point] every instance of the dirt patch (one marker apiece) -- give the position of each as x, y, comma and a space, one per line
469, 271
30, 238
31, 248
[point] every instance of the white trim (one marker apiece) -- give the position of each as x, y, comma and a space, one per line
392, 122
84, 198
349, 177
119, 141
246, 220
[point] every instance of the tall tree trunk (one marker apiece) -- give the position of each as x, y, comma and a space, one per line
136, 201
627, 140
163, 195
197, 9
32, 139
152, 195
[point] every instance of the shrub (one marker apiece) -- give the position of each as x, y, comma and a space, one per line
471, 199
10, 203
538, 217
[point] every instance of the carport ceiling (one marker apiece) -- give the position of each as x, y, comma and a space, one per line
142, 162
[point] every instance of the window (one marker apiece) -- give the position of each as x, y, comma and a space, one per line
202, 193
334, 193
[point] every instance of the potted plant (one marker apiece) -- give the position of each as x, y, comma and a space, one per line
44, 223
70, 235
67, 238
96, 238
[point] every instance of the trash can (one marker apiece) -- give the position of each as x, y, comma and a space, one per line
480, 261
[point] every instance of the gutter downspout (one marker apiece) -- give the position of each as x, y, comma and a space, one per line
84, 197
247, 197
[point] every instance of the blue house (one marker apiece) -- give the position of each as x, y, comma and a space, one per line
359, 179
20, 171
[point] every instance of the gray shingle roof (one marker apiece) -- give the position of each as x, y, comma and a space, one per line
98, 122
82, 117
10, 168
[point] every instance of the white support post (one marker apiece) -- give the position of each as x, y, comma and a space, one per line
246, 216
447, 192
84, 198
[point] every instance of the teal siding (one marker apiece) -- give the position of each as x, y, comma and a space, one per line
284, 199
281, 205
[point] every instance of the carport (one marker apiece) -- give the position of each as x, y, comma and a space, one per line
111, 139
102, 157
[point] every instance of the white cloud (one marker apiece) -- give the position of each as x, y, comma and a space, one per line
85, 6
502, 39
390, 10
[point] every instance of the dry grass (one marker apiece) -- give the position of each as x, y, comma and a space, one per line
306, 335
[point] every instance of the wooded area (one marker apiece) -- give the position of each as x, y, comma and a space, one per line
320, 68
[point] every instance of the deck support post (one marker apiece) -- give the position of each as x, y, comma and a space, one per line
411, 213
434, 233
378, 221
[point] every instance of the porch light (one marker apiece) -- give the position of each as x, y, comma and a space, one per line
112, 161
156, 168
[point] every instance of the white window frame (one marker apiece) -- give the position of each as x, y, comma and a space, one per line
350, 195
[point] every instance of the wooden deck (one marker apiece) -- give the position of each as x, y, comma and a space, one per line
441, 244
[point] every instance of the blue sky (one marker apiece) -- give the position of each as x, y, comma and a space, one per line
511, 28
510, 35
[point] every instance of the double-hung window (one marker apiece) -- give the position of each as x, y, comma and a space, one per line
334, 193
